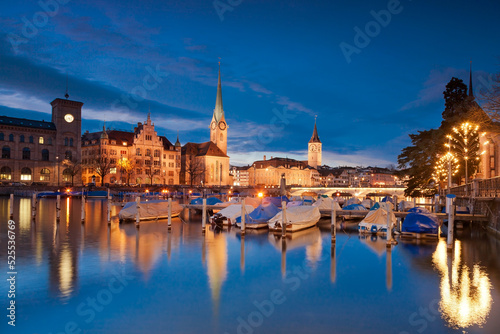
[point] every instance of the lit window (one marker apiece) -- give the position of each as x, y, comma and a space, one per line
40, 140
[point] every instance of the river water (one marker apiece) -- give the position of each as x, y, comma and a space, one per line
95, 278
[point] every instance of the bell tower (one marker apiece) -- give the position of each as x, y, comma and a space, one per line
314, 149
218, 125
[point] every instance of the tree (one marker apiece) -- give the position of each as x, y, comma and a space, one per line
195, 168
127, 166
418, 162
72, 168
454, 95
102, 166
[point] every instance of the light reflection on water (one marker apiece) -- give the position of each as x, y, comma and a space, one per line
192, 282
465, 291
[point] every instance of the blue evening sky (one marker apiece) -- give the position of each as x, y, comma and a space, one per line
282, 64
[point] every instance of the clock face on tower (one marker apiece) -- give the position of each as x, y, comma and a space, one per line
213, 125
313, 148
68, 118
222, 125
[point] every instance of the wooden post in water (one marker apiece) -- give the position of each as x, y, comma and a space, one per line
334, 223
109, 208
283, 257
204, 216
83, 208
333, 264
283, 216
389, 225
450, 205
436, 203
243, 214
11, 206
58, 206
33, 206
395, 200
137, 216
170, 214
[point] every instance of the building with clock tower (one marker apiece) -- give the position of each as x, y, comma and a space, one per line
314, 149
218, 125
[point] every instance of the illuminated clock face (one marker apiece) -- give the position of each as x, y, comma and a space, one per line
313, 148
222, 125
213, 125
68, 118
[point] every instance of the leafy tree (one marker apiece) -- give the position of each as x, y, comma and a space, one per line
454, 95
127, 166
418, 162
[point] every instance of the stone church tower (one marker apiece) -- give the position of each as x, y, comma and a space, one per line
314, 149
218, 126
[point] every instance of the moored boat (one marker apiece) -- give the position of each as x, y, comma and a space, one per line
157, 209
376, 220
297, 218
228, 215
259, 217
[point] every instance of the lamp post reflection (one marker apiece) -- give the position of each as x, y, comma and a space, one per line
465, 291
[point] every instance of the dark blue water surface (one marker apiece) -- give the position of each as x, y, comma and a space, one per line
95, 278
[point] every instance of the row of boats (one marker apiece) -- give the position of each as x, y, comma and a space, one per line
301, 213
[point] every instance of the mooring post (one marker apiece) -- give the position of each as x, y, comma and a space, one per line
58, 206
283, 216
138, 215
109, 208
450, 205
204, 216
33, 206
169, 214
414, 202
334, 223
243, 214
436, 203
83, 208
283, 257
389, 226
11, 206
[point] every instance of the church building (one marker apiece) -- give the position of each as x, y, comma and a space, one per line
207, 164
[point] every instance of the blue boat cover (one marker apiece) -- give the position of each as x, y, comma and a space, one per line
419, 210
354, 207
261, 214
210, 201
375, 206
420, 220
275, 200
464, 212
387, 199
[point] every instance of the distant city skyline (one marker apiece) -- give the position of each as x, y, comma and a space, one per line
373, 72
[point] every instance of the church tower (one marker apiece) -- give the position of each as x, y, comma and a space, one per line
218, 126
314, 149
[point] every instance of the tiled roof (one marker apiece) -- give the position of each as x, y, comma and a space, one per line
27, 123
203, 149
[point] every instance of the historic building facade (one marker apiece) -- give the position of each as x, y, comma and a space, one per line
139, 157
42, 152
314, 149
207, 164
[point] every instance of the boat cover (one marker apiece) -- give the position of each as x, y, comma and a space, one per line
420, 220
261, 214
234, 211
367, 203
352, 200
148, 210
294, 203
297, 215
326, 204
378, 216
275, 200
355, 207
405, 205
210, 201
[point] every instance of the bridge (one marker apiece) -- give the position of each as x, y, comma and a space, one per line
352, 192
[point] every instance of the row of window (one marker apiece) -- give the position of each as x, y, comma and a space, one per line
31, 139
26, 174
26, 154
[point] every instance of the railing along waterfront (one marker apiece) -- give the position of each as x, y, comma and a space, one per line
485, 188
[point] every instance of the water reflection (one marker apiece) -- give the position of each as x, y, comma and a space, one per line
216, 245
465, 291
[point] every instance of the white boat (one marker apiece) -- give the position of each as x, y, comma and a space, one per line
297, 218
259, 217
157, 209
325, 204
376, 220
228, 215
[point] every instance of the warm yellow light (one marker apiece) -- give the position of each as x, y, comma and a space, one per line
147, 190
260, 195
68, 190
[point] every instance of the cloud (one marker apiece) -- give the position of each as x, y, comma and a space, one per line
291, 105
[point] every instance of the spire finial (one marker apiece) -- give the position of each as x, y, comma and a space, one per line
471, 91
66, 95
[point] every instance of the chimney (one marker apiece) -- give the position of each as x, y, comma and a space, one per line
271, 157
264, 158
